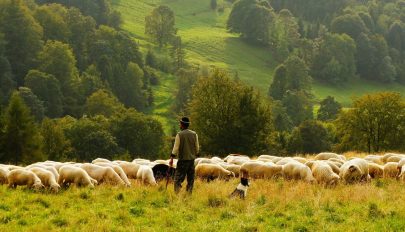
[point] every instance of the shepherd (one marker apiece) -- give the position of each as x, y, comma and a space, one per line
186, 149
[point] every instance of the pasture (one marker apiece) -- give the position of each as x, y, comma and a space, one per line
271, 205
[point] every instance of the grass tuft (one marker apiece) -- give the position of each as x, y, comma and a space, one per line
120, 197
215, 202
60, 222
137, 211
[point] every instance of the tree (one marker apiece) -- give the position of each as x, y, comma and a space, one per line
230, 117
309, 138
251, 19
177, 53
138, 134
278, 86
103, 103
160, 25
52, 18
21, 140
183, 96
7, 82
90, 139
329, 109
54, 143
335, 61
129, 88
47, 88
23, 35
350, 24
213, 4
151, 60
35, 105
375, 123
284, 33
299, 106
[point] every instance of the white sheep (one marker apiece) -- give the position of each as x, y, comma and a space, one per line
47, 178
355, 170
323, 173
298, 171
212, 172
18, 177
69, 174
145, 174
102, 174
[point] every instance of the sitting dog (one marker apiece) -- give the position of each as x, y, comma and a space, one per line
241, 189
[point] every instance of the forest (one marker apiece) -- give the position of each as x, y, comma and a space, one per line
76, 85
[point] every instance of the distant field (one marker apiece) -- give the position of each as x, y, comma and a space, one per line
208, 43
270, 206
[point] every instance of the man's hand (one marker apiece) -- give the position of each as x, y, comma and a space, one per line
171, 161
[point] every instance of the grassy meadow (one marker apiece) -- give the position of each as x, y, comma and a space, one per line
275, 205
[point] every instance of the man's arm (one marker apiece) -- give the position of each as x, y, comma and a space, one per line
175, 151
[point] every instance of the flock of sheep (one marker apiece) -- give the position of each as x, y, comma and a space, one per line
327, 169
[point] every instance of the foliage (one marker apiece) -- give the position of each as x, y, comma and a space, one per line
90, 138
35, 105
160, 25
229, 116
185, 82
329, 109
54, 143
137, 134
103, 103
375, 123
309, 138
21, 141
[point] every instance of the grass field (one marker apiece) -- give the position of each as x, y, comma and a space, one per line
270, 206
208, 43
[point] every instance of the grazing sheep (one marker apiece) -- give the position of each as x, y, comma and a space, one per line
47, 178
327, 155
3, 175
338, 162
395, 158
207, 161
391, 170
374, 158
145, 174
286, 160
212, 171
385, 157
233, 168
102, 174
69, 174
100, 160
375, 170
298, 171
401, 163
323, 173
130, 169
117, 170
355, 170
300, 159
258, 170
334, 165
401, 176
23, 177
46, 167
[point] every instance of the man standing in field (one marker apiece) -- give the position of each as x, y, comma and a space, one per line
186, 148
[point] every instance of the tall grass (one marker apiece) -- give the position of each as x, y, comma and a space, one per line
269, 206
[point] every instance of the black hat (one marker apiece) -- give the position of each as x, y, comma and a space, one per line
185, 120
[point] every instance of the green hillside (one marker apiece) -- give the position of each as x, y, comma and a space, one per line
207, 42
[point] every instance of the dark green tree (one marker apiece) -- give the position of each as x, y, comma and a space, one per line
47, 88
213, 4
21, 142
350, 24
309, 138
23, 36
185, 81
278, 86
54, 143
329, 109
103, 103
90, 139
138, 134
35, 105
177, 53
160, 25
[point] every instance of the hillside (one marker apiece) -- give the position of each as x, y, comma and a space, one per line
207, 42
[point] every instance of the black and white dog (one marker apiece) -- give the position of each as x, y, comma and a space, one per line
241, 189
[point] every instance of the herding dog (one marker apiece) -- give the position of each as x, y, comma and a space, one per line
241, 189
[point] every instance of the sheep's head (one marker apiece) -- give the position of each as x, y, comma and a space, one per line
38, 185
55, 187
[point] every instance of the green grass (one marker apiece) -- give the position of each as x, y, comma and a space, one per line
208, 43
270, 206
